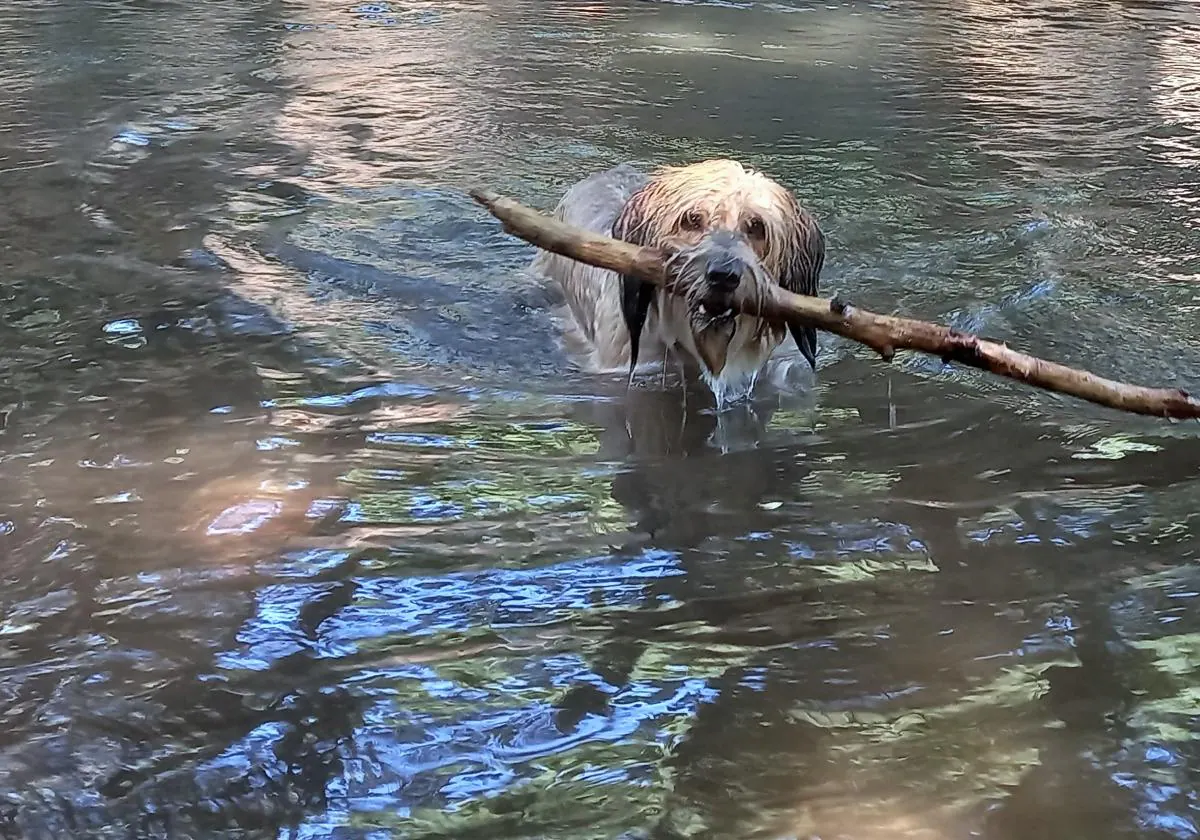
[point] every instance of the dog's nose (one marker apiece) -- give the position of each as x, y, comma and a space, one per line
724, 280
724, 271
725, 267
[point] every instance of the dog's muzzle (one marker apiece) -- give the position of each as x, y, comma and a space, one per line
723, 273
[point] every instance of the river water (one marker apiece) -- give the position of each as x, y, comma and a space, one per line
309, 531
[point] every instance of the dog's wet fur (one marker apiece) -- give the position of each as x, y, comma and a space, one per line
734, 231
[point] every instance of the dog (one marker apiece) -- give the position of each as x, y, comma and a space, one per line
734, 231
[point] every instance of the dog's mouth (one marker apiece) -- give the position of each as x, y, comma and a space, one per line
714, 313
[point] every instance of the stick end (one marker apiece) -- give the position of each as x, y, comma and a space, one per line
484, 196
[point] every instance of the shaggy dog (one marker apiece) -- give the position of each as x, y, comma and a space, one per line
735, 231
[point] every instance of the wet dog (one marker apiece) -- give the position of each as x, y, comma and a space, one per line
734, 231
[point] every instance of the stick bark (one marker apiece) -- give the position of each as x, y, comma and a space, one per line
883, 333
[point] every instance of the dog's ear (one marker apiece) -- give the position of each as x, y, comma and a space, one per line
801, 274
636, 295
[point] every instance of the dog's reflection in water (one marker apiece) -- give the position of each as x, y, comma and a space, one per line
679, 462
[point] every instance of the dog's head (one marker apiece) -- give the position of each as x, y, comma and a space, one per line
733, 231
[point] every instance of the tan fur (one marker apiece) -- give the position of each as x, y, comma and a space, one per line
681, 206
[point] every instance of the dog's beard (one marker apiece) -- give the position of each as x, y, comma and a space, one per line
713, 326
732, 349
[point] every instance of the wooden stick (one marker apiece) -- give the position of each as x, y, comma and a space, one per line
883, 333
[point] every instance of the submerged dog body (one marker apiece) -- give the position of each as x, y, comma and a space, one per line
734, 232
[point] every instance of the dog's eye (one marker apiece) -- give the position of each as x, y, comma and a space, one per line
755, 228
692, 220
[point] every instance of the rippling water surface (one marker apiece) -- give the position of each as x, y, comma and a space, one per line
309, 531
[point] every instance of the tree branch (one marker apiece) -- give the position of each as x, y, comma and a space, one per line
883, 333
